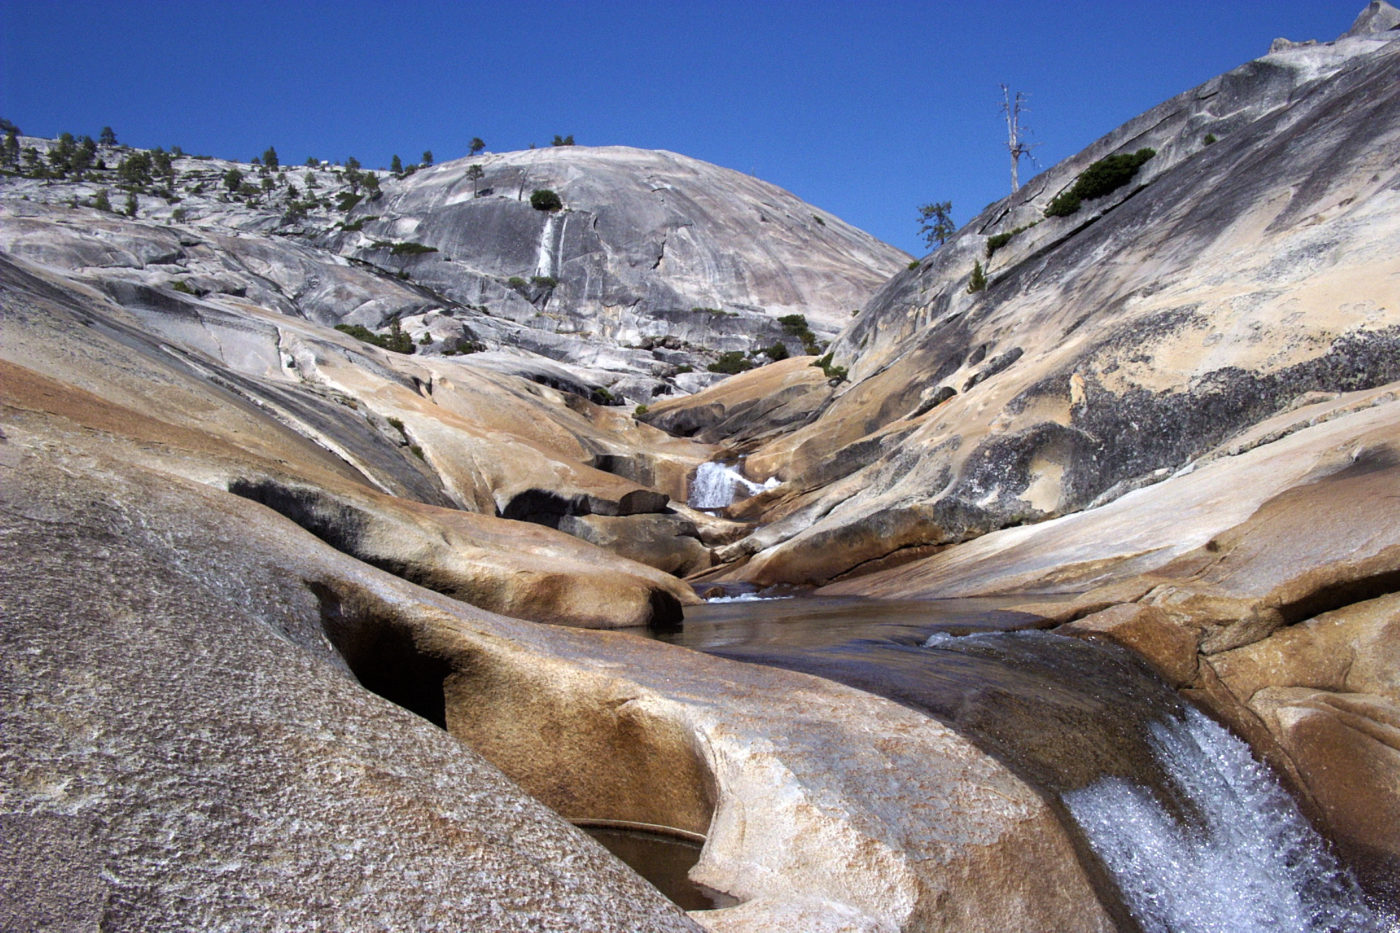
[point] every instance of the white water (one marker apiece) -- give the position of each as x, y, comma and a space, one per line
715, 484
1253, 863
547, 255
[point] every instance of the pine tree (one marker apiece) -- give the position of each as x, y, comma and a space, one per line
107, 137
396, 165
9, 152
978, 281
476, 145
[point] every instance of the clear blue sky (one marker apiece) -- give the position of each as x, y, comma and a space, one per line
866, 109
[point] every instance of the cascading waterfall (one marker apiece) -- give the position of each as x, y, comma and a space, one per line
1192, 834
716, 483
547, 255
1245, 860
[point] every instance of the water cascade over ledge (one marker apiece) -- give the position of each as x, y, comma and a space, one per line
1181, 829
715, 485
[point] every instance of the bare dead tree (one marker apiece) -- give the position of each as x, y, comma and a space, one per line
1012, 107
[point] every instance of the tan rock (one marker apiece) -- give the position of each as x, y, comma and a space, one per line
1328, 690
1149, 631
904, 826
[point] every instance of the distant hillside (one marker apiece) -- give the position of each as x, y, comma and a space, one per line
649, 266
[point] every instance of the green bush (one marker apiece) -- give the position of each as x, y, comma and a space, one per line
639, 411
544, 281
731, 362
346, 201
776, 352
978, 280
542, 199
795, 324
516, 282
833, 373
396, 340
1105, 175
410, 249
997, 240
1210, 138
913, 264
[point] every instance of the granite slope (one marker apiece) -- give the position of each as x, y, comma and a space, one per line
1113, 347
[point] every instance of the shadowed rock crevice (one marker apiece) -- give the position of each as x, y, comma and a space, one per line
382, 653
516, 570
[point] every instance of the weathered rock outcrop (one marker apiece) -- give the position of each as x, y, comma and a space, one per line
377, 454
1227, 281
217, 762
1261, 583
655, 263
184, 749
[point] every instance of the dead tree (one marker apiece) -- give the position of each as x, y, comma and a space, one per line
1013, 107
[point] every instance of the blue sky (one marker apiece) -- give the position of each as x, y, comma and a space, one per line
865, 109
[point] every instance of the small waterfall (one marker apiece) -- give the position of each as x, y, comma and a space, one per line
715, 484
1193, 834
1245, 860
547, 255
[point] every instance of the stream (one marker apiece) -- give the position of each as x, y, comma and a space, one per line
1181, 829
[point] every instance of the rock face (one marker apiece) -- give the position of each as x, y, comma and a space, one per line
1229, 280
643, 238
272, 653
219, 761
184, 749
416, 469
654, 264
1260, 583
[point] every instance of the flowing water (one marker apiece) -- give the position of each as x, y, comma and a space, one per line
1183, 831
716, 485
547, 254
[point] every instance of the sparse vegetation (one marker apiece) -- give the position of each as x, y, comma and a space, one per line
998, 240
639, 411
410, 249
795, 325
936, 222
544, 281
1104, 176
913, 264
776, 352
978, 280
464, 345
731, 362
358, 225
834, 374
396, 340
542, 199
